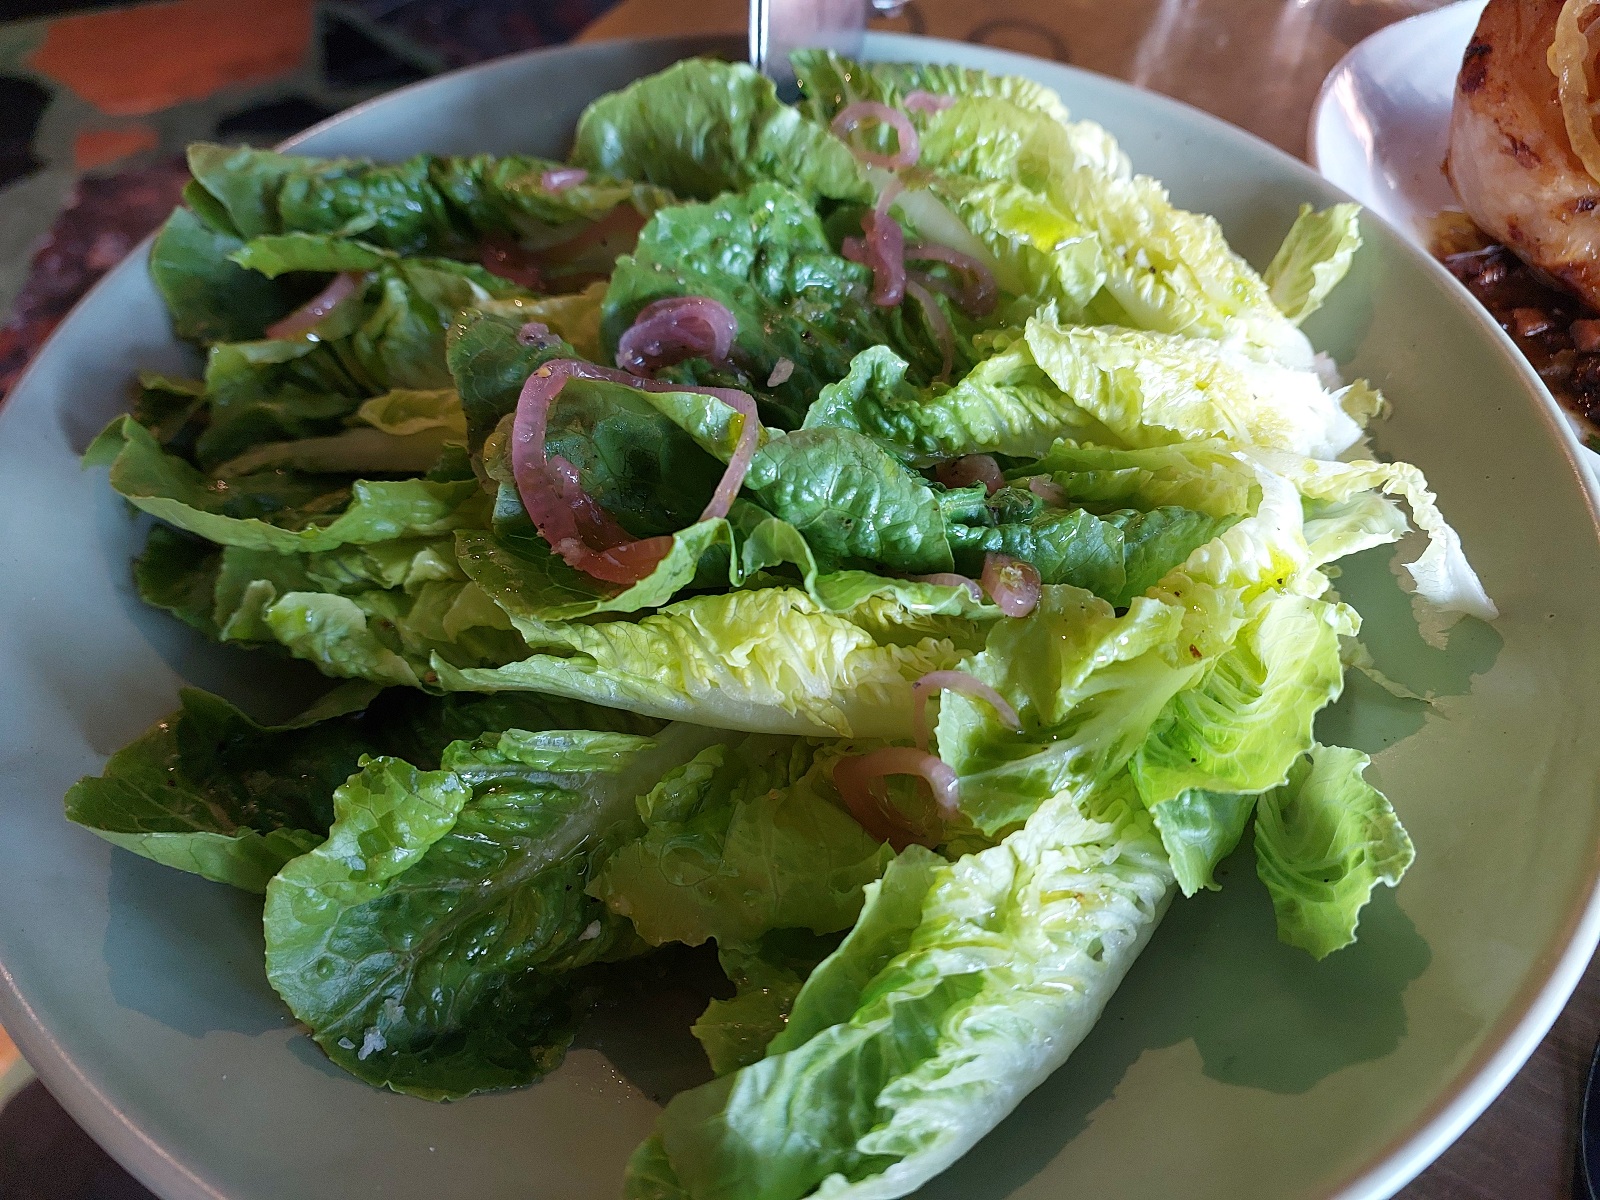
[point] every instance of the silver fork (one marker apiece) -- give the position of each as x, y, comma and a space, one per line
779, 26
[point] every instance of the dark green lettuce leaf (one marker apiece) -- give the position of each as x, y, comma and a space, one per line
1117, 555
425, 942
209, 297
748, 837
279, 511
765, 256
1005, 405
427, 204
702, 127
215, 793
211, 792
851, 501
767, 977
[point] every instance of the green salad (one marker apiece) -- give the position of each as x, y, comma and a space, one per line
882, 538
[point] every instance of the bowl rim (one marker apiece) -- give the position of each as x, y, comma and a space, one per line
1507, 1045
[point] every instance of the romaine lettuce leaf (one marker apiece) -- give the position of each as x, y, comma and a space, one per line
770, 660
212, 792
424, 940
1153, 389
851, 500
275, 510
1005, 405
702, 127
764, 255
1086, 684
961, 988
1314, 257
1447, 588
209, 297
1117, 555
1323, 841
748, 837
767, 977
830, 81
427, 204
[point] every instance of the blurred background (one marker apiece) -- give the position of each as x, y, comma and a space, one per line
97, 102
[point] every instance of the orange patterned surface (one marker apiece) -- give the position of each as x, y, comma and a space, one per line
121, 60
96, 147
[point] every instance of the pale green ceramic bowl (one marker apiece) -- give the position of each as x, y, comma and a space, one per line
1227, 1066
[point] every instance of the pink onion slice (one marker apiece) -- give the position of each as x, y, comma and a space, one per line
970, 469
909, 148
672, 329
955, 681
306, 318
940, 324
781, 370
856, 779
883, 249
950, 579
1048, 490
567, 517
559, 179
507, 258
981, 293
928, 102
1011, 583
536, 333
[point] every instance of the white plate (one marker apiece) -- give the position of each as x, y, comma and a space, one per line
1381, 125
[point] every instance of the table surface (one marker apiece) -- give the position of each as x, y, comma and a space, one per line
89, 162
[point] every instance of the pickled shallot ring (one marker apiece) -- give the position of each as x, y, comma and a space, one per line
306, 318
559, 179
855, 778
970, 469
980, 295
1012, 584
675, 328
928, 102
1048, 490
939, 323
555, 501
909, 148
950, 579
955, 681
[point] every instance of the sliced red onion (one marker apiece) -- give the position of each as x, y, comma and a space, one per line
559, 179
928, 102
670, 330
856, 779
970, 469
949, 579
955, 681
883, 249
744, 450
567, 517
981, 293
536, 333
615, 233
909, 148
1048, 490
1011, 583
511, 261
939, 323
781, 370
306, 318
